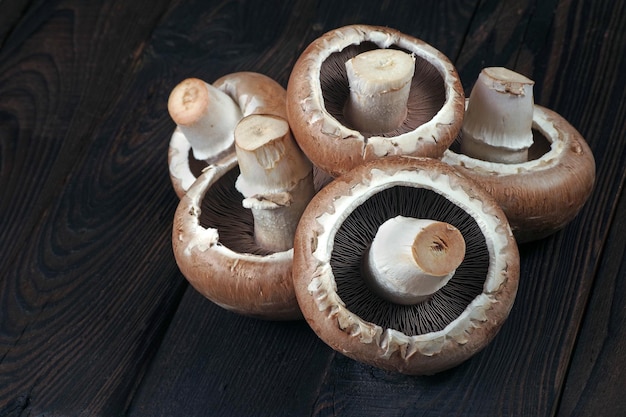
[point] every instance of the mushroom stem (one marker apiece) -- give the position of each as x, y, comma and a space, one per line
205, 115
498, 121
411, 259
276, 179
380, 81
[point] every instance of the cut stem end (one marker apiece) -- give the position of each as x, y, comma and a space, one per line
411, 259
205, 115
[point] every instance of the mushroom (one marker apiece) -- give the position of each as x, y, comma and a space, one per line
537, 166
362, 92
405, 264
206, 116
233, 229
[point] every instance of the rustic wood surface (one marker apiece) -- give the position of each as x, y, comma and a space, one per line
95, 317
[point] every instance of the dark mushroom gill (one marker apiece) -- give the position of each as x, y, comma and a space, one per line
222, 209
426, 98
195, 165
358, 230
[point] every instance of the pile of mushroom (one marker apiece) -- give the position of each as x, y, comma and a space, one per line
370, 197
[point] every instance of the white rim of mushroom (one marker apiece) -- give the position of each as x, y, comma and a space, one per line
497, 126
532, 116
544, 122
199, 120
348, 333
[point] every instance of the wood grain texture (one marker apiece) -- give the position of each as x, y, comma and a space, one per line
506, 33
96, 319
223, 364
12, 12
596, 377
88, 283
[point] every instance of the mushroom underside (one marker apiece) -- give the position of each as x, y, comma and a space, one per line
427, 95
357, 232
222, 210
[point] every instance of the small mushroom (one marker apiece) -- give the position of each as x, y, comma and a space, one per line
206, 116
537, 166
405, 264
362, 92
233, 229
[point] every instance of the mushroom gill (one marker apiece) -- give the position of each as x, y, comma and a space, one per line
356, 234
426, 97
222, 210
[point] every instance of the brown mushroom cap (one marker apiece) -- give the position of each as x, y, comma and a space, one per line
418, 339
254, 93
318, 89
542, 195
214, 247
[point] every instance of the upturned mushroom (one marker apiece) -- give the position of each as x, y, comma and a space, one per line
206, 116
404, 264
362, 92
233, 229
537, 166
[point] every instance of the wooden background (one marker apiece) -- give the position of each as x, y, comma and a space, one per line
96, 319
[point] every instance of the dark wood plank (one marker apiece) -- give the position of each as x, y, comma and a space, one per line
596, 378
88, 283
506, 33
62, 70
12, 13
217, 363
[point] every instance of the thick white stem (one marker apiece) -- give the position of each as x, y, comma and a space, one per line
380, 81
205, 115
276, 179
497, 126
411, 259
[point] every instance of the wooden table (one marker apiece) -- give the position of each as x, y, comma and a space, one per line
97, 320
